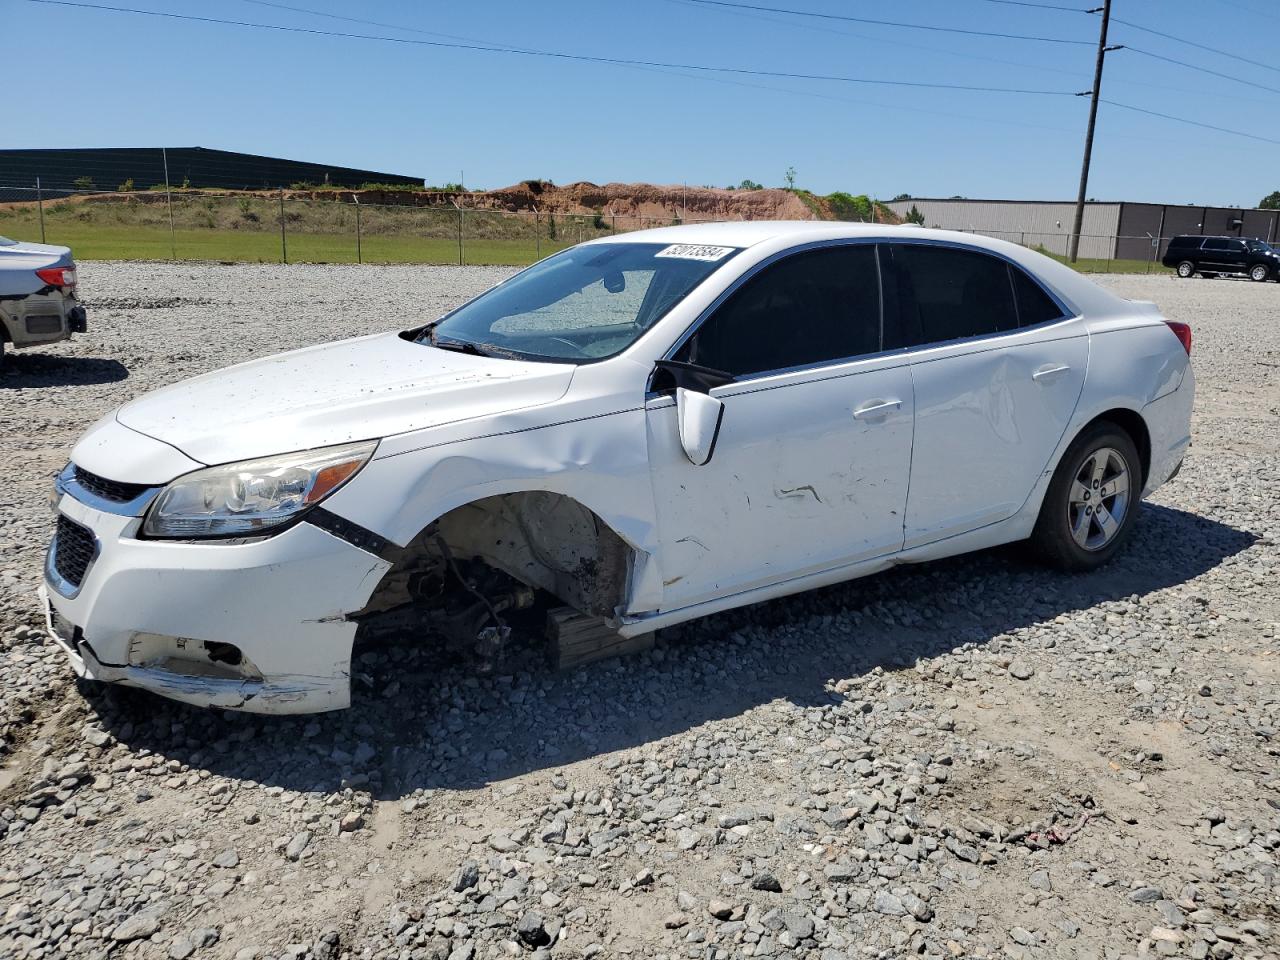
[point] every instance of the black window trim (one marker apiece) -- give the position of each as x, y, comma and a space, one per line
1067, 314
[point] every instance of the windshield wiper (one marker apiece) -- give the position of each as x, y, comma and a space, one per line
458, 346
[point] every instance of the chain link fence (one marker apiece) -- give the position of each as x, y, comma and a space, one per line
351, 226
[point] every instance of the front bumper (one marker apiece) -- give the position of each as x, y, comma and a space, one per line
257, 625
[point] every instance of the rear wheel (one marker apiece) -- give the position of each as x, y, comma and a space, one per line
1186, 269
1259, 272
1092, 500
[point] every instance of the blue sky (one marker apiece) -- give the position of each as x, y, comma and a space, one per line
127, 80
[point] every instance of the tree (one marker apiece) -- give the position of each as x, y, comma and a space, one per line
915, 216
901, 196
790, 177
1271, 201
750, 185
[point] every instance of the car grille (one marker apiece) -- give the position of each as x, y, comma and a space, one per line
112, 490
74, 548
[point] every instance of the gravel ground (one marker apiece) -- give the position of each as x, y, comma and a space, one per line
970, 758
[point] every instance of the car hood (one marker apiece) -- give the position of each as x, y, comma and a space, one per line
362, 389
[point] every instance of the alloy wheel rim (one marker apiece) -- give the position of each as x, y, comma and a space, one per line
1098, 499
1184, 270
1259, 273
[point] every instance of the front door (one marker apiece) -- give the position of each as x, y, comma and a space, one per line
810, 467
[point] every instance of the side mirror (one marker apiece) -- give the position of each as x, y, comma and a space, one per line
699, 416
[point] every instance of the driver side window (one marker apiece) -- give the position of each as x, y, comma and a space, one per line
821, 306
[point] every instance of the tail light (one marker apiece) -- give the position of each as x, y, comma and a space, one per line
64, 277
1183, 332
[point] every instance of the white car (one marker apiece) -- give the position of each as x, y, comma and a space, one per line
650, 428
38, 302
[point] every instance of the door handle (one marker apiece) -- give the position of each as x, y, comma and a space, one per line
875, 408
1049, 370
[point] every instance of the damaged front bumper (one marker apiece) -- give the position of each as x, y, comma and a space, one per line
260, 626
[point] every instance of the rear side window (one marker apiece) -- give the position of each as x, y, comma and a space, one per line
1186, 243
1217, 243
948, 294
1034, 305
815, 307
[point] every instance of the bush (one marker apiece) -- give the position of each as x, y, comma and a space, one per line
126, 186
848, 207
84, 183
749, 185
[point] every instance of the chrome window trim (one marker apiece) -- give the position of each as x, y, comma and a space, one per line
67, 484
1068, 312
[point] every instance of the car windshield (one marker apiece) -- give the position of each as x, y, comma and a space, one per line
1257, 246
587, 303
6, 242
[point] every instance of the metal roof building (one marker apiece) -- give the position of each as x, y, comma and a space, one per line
1120, 230
66, 171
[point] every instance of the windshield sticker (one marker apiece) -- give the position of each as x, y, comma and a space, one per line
695, 251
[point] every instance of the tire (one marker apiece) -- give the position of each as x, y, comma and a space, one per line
1186, 269
1259, 272
1068, 534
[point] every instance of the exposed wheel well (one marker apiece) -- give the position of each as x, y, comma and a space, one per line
544, 540
1131, 422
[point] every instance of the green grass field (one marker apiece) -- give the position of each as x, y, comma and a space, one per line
1113, 266
104, 242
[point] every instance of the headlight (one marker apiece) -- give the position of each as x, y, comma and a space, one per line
251, 497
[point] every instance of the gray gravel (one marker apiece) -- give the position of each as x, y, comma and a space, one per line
971, 758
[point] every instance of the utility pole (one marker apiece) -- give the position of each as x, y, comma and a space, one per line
168, 200
284, 245
40, 204
1093, 95
359, 256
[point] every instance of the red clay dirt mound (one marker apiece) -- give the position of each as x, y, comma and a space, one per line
647, 200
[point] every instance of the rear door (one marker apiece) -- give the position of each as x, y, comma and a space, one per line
1215, 256
997, 366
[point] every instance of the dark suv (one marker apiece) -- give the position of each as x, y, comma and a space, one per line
1210, 256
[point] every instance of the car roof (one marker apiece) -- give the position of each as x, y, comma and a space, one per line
747, 233
1080, 294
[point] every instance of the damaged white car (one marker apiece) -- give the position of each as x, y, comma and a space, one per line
648, 428
38, 303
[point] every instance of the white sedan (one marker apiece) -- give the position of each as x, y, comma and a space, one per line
648, 428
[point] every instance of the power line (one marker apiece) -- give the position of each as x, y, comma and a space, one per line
1194, 123
1037, 6
1194, 43
1192, 66
891, 23
829, 30
583, 58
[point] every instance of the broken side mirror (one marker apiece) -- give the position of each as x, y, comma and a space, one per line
698, 416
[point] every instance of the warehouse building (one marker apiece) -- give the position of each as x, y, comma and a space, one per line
1123, 231
65, 171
